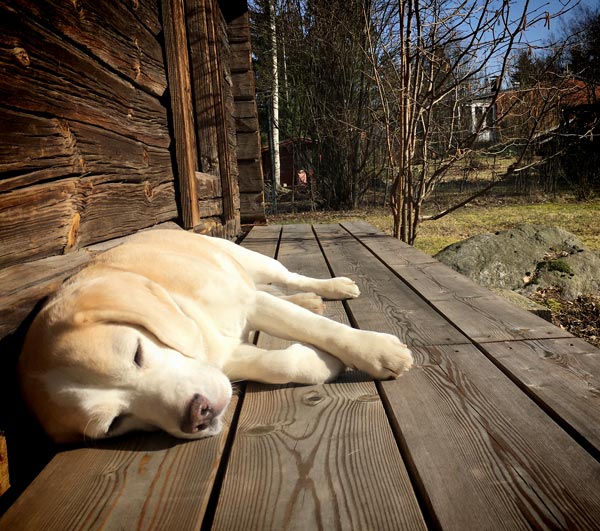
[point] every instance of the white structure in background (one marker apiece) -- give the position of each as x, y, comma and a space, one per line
482, 107
478, 109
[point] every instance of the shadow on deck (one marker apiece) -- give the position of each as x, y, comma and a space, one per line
496, 427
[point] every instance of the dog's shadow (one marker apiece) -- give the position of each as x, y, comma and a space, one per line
159, 441
29, 448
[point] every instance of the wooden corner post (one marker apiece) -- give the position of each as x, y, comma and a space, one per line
178, 72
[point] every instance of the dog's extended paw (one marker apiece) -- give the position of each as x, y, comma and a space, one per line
310, 301
308, 365
342, 288
383, 356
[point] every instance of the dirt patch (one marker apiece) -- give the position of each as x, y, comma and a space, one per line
580, 316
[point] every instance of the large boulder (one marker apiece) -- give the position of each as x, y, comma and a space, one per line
526, 258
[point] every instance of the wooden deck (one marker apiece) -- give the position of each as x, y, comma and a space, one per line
497, 426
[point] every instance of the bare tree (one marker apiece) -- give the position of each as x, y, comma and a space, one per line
417, 90
440, 67
327, 93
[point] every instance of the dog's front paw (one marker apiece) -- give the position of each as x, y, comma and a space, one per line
343, 288
383, 356
310, 301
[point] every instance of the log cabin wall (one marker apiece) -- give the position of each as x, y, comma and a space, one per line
251, 184
84, 151
116, 115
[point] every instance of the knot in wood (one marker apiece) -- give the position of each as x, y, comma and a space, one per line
21, 55
312, 398
148, 191
373, 397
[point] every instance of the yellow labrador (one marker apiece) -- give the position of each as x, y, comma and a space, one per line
151, 333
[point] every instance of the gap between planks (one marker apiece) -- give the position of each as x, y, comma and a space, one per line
317, 478
521, 478
567, 359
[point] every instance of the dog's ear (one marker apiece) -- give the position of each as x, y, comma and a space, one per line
122, 297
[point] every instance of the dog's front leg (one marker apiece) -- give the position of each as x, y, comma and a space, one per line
381, 355
297, 363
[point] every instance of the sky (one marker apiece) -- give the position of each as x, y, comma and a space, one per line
538, 34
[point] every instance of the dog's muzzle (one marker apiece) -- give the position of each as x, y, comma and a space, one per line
199, 415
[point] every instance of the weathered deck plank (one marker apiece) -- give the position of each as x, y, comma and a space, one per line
385, 302
562, 375
464, 422
477, 312
558, 371
496, 427
486, 456
144, 481
314, 457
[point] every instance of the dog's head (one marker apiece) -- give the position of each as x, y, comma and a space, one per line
113, 352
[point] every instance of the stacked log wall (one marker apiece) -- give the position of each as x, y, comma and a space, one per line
84, 148
251, 184
104, 135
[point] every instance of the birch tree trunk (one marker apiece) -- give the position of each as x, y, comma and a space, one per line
274, 95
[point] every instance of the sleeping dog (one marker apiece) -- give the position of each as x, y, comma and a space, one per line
151, 333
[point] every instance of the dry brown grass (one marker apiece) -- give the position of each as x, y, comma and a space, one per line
580, 218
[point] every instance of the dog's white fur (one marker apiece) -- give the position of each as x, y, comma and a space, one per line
151, 333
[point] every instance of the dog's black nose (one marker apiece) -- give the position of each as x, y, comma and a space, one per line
198, 416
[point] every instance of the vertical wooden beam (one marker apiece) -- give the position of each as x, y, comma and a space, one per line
213, 98
4, 482
224, 114
178, 71
202, 69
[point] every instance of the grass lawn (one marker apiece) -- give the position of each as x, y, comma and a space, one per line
580, 218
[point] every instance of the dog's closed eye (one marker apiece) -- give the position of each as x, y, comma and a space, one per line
115, 424
138, 359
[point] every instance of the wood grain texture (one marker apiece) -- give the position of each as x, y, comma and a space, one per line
4, 477
386, 303
22, 286
248, 145
45, 74
240, 55
488, 457
57, 217
263, 239
398, 252
314, 457
474, 310
245, 109
210, 208
34, 149
213, 101
148, 13
126, 45
561, 374
246, 123
208, 185
251, 179
244, 86
203, 70
252, 207
144, 481
226, 132
65, 184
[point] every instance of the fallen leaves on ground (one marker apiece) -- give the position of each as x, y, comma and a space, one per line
580, 316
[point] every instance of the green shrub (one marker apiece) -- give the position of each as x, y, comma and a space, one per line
559, 265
